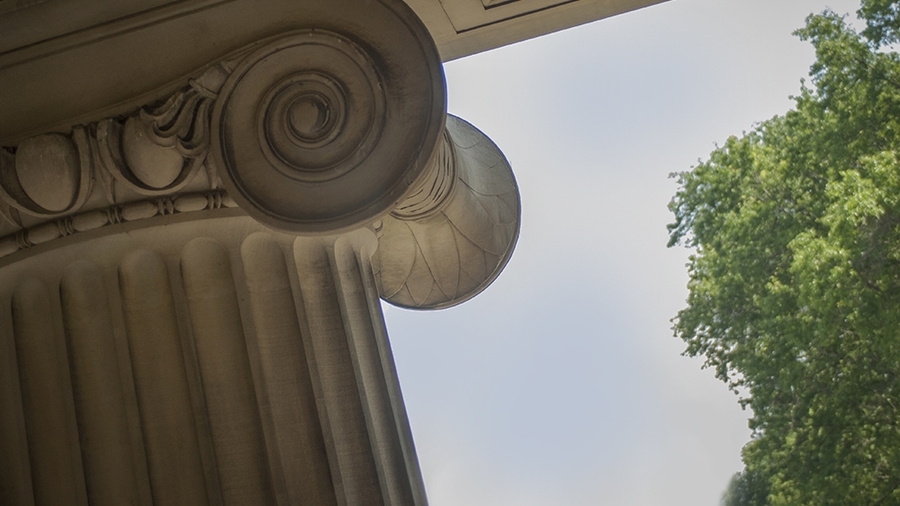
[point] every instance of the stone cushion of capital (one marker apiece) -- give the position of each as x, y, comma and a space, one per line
202, 203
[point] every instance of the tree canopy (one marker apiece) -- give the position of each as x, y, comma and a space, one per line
794, 291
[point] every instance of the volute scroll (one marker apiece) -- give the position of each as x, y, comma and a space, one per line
317, 133
310, 131
454, 234
193, 263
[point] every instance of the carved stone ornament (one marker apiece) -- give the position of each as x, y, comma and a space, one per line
314, 133
192, 286
449, 240
123, 170
49, 175
309, 132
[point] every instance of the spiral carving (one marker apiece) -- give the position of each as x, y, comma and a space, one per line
308, 132
318, 133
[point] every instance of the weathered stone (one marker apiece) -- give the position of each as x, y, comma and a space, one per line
47, 167
201, 203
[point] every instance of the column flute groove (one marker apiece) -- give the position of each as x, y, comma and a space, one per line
97, 385
50, 427
227, 380
353, 466
398, 471
15, 477
298, 433
161, 384
193, 258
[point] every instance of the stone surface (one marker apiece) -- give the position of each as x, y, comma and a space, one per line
209, 362
65, 63
210, 295
201, 205
316, 133
449, 239
47, 169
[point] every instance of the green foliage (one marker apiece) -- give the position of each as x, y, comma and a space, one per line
883, 17
746, 488
794, 292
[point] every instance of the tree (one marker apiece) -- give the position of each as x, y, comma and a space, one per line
794, 291
746, 488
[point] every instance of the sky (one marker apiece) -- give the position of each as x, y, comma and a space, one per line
562, 384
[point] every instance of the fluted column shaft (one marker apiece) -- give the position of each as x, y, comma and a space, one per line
240, 367
190, 287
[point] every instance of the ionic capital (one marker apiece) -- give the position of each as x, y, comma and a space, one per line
310, 133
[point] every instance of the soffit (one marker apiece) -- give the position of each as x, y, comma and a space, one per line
459, 27
66, 62
464, 27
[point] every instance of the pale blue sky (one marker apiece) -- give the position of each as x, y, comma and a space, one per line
562, 383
